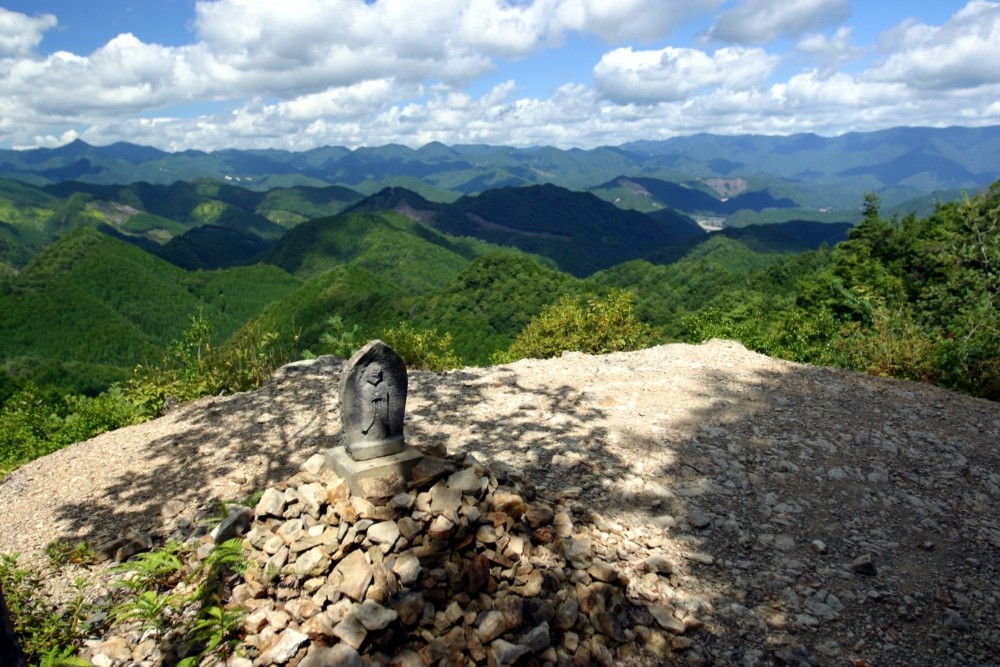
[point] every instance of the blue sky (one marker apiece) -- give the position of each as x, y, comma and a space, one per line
296, 74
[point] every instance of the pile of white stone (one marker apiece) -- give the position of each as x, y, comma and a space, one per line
456, 567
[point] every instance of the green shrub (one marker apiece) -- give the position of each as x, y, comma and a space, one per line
88, 417
424, 349
61, 552
26, 424
193, 367
48, 634
338, 339
153, 581
33, 424
597, 327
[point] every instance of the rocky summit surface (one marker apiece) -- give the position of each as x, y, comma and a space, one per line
695, 504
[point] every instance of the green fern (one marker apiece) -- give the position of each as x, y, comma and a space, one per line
215, 631
148, 607
153, 569
64, 657
228, 554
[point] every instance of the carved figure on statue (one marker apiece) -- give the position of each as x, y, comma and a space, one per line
374, 403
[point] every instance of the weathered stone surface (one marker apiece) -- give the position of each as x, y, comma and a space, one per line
478, 574
445, 499
116, 648
374, 616
301, 609
350, 631
311, 563
313, 497
126, 546
578, 553
440, 528
602, 571
666, 620
379, 477
407, 568
291, 531
352, 575
659, 564
699, 519
271, 503
285, 647
504, 653
339, 655
373, 389
509, 503
318, 627
537, 639
465, 480
410, 607
491, 626
539, 514
385, 533
699, 557
865, 565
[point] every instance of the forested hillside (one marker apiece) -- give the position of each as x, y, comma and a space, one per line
907, 297
93, 299
198, 225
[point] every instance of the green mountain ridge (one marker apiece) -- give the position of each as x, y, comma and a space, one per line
577, 231
93, 298
164, 219
478, 269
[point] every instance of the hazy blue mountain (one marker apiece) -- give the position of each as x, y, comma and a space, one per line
905, 162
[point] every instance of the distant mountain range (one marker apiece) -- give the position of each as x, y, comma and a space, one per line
808, 170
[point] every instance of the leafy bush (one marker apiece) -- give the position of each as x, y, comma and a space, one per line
33, 424
193, 367
151, 594
338, 339
61, 552
597, 327
915, 299
48, 634
424, 349
87, 417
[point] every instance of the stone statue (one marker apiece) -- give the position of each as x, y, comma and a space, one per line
373, 402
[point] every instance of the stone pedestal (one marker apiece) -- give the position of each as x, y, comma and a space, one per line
365, 450
374, 477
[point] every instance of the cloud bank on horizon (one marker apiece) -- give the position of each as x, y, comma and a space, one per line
570, 73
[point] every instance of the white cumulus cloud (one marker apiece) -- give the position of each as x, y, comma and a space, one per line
962, 53
624, 19
624, 75
762, 21
20, 34
303, 73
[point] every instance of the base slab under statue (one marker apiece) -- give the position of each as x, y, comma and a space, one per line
364, 476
